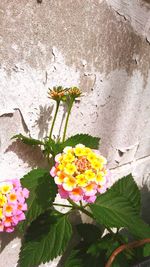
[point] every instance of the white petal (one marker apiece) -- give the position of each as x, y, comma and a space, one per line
80, 146
67, 148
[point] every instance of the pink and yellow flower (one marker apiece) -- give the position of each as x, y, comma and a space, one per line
12, 204
80, 173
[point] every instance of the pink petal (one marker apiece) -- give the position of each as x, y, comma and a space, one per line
21, 217
7, 224
9, 229
76, 194
15, 220
75, 198
57, 157
102, 189
90, 193
90, 199
1, 228
53, 171
16, 183
20, 198
62, 192
25, 192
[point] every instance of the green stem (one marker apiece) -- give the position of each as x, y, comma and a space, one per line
62, 205
54, 119
67, 119
81, 203
81, 208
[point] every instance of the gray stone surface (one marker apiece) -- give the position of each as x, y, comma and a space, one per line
101, 46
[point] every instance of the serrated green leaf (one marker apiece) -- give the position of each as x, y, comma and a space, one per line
128, 188
89, 232
119, 207
42, 193
46, 238
85, 139
117, 203
27, 140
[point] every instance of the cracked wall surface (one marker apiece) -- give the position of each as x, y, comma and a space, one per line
101, 46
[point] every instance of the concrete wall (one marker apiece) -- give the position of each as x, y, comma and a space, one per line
103, 46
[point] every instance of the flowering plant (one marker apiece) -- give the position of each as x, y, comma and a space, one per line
78, 180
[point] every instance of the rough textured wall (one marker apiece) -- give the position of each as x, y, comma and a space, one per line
101, 46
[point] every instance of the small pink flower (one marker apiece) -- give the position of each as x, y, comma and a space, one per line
22, 207
8, 209
12, 197
8, 221
102, 189
16, 183
76, 194
20, 196
90, 190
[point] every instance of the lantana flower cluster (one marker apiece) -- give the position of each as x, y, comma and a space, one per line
12, 204
80, 173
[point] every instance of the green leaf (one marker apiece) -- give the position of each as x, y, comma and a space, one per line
46, 238
101, 245
85, 139
42, 193
106, 246
128, 188
119, 207
74, 260
146, 250
80, 258
89, 232
27, 140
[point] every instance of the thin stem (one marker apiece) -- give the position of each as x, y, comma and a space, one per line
86, 212
54, 119
125, 247
67, 119
81, 208
62, 205
81, 203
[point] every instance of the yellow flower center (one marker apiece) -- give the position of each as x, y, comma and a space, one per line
90, 175
81, 180
8, 208
70, 169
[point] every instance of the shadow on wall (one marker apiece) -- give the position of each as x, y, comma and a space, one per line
33, 156
121, 114
6, 238
44, 118
147, 1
